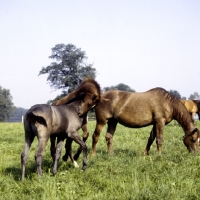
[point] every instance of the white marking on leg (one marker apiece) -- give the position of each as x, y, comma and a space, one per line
76, 164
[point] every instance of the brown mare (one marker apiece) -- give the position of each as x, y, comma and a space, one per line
193, 107
63, 121
155, 107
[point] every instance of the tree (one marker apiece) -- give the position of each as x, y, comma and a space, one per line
18, 112
175, 93
6, 104
69, 68
194, 96
120, 86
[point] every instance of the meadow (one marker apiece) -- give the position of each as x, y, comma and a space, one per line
127, 174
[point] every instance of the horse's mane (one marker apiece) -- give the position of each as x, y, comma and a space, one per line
78, 93
90, 81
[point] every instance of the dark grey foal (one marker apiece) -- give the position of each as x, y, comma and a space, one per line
45, 121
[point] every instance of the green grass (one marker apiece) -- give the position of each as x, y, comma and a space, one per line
127, 174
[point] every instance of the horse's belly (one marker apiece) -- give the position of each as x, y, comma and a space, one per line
135, 122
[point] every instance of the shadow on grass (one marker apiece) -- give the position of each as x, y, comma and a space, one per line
30, 170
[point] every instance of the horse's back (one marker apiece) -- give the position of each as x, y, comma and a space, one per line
135, 109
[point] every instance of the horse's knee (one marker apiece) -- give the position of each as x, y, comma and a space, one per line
95, 137
108, 138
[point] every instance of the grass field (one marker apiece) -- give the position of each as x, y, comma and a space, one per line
125, 175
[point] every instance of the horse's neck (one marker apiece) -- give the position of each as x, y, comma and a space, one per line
183, 118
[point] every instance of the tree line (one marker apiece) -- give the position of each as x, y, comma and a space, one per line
68, 69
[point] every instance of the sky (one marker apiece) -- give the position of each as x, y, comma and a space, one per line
140, 43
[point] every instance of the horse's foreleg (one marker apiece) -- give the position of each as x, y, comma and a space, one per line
159, 135
150, 140
85, 137
29, 137
109, 135
76, 137
95, 137
57, 154
40, 151
68, 148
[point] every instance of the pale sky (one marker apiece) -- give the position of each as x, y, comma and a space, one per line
141, 43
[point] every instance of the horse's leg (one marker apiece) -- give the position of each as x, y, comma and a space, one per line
42, 141
112, 123
29, 137
150, 140
53, 147
85, 137
68, 148
95, 136
57, 154
76, 137
159, 135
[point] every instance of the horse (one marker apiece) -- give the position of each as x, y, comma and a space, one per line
192, 106
88, 86
63, 121
155, 107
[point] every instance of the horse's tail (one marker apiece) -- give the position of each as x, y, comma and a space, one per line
31, 116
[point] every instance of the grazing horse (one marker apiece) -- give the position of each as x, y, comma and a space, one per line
63, 121
155, 107
193, 107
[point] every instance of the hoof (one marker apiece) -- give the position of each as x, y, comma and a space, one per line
84, 167
76, 164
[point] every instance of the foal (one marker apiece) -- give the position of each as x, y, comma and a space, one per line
61, 121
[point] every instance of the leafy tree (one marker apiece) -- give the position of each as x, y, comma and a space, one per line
6, 104
120, 86
69, 68
175, 93
194, 96
18, 112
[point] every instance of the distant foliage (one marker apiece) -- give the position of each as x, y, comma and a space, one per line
6, 104
68, 69
194, 96
175, 93
17, 115
120, 86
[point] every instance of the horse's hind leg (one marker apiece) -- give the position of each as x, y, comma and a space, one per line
112, 123
29, 137
150, 140
42, 141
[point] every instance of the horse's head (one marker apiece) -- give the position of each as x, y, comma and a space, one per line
88, 102
191, 140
